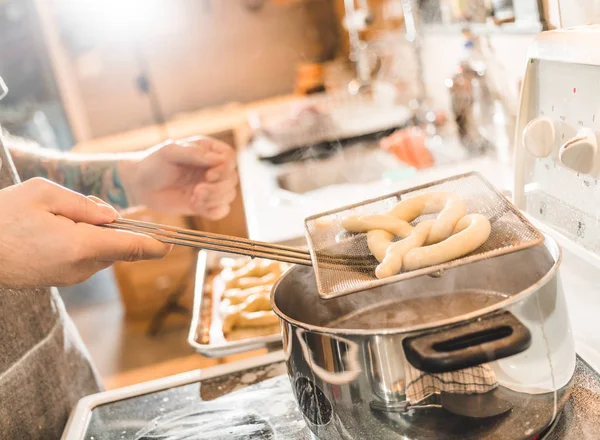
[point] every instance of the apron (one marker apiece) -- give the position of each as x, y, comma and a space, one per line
44, 367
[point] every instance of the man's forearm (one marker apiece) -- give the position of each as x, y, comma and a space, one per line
89, 175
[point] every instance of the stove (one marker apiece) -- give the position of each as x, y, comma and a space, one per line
120, 414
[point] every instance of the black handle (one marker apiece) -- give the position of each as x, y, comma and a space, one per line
467, 345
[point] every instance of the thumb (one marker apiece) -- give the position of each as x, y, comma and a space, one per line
74, 206
110, 245
198, 153
101, 202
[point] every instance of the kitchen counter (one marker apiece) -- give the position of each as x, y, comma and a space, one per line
275, 215
121, 413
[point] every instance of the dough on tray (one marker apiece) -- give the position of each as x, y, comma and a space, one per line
245, 303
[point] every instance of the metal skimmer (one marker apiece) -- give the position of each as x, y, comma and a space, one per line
342, 261
511, 232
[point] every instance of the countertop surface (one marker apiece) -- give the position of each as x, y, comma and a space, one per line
124, 418
274, 215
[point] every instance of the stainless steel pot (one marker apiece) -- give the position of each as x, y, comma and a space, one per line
347, 357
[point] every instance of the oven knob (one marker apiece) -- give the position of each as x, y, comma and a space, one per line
539, 136
579, 152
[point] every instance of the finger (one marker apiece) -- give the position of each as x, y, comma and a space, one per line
202, 208
213, 144
204, 192
198, 154
110, 245
222, 172
102, 202
225, 199
216, 213
61, 201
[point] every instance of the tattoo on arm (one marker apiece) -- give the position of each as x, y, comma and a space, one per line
89, 175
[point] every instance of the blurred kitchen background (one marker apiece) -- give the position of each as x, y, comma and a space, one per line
287, 83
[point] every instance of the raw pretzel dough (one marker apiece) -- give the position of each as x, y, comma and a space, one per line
263, 318
253, 303
325, 222
378, 241
451, 209
471, 232
392, 263
238, 296
393, 225
246, 300
257, 270
249, 282
252, 312
451, 235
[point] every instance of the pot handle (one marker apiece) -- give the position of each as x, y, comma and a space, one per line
467, 345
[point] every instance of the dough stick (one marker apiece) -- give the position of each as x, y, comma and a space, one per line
238, 296
249, 319
258, 319
325, 222
470, 233
378, 241
268, 279
393, 225
446, 221
392, 263
450, 207
254, 303
254, 269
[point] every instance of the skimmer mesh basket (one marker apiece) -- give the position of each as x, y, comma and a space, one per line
511, 232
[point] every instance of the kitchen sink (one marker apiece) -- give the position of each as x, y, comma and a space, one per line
360, 164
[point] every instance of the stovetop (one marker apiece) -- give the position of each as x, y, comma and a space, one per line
122, 419
580, 418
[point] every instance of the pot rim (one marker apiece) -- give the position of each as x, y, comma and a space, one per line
549, 243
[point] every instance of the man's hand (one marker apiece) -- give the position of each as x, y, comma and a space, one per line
48, 237
194, 176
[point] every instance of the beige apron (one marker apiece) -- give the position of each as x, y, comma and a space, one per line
44, 367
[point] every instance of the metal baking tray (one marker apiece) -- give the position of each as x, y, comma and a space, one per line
206, 335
